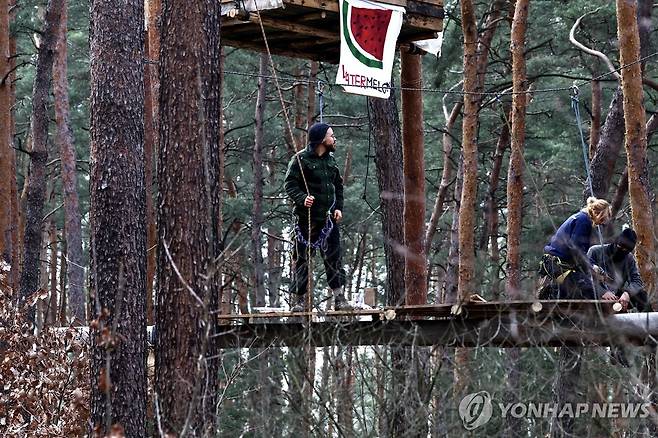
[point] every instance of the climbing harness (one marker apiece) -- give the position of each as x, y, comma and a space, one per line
321, 241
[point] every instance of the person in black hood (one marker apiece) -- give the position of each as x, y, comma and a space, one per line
317, 192
617, 271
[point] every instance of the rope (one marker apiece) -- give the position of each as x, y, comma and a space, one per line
457, 92
575, 105
320, 88
309, 300
365, 183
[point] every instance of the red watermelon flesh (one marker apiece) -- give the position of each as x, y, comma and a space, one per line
369, 27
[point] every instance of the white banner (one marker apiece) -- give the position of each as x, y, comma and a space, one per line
368, 33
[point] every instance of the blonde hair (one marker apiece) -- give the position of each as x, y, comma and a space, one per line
598, 209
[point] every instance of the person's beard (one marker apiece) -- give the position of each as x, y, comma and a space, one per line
331, 147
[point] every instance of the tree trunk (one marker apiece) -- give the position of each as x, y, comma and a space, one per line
257, 209
72, 220
446, 176
6, 151
344, 389
469, 145
595, 129
607, 150
452, 275
274, 246
515, 195
639, 185
189, 216
301, 106
118, 228
490, 235
62, 304
151, 90
415, 277
566, 389
311, 110
612, 134
385, 129
15, 208
36, 188
51, 316
515, 171
347, 168
491, 206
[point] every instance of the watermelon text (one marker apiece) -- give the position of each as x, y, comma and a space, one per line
359, 80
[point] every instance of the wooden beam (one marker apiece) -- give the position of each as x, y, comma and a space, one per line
293, 27
260, 47
510, 330
429, 9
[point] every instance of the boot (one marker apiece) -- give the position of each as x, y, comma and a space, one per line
340, 303
299, 303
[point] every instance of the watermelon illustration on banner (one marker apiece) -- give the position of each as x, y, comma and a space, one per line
368, 32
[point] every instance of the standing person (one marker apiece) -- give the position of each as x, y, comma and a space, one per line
317, 192
619, 272
565, 267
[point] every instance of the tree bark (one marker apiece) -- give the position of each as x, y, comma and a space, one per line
515, 170
449, 288
415, 276
515, 194
311, 110
612, 134
72, 220
6, 151
15, 208
118, 228
595, 129
469, 145
301, 107
36, 188
565, 389
51, 316
639, 185
257, 209
607, 150
344, 389
151, 115
490, 234
62, 304
385, 130
446, 175
274, 245
189, 216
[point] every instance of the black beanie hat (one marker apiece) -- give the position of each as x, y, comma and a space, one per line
627, 238
316, 134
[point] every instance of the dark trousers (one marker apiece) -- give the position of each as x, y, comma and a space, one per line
333, 264
577, 285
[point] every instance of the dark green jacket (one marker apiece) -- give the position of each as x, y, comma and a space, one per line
324, 183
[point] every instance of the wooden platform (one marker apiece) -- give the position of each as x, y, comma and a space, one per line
497, 324
309, 29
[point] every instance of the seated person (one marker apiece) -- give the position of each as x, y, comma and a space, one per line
565, 269
616, 271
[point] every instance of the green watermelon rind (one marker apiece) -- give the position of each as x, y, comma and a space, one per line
374, 63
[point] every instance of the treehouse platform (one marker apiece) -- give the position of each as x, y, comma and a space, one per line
310, 29
491, 324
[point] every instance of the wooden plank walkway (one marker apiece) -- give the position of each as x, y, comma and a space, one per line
496, 324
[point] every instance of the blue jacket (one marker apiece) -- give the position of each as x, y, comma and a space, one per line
572, 240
